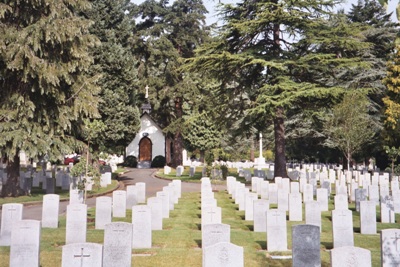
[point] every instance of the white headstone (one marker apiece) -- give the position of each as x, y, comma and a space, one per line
295, 207
342, 228
10, 214
117, 249
119, 204
368, 217
51, 204
261, 206
76, 224
155, 204
215, 233
131, 196
25, 243
276, 230
223, 254
141, 192
211, 215
390, 247
103, 212
141, 221
82, 254
350, 256
313, 213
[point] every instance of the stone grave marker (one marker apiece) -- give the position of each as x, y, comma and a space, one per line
75, 196
103, 212
276, 230
273, 193
264, 189
396, 201
82, 254
361, 195
215, 233
283, 199
192, 170
341, 202
390, 247
247, 175
76, 224
51, 205
322, 198
131, 196
295, 207
25, 243
178, 188
342, 228
167, 169
211, 215
387, 210
50, 185
10, 214
179, 171
308, 193
170, 192
306, 246
261, 206
165, 202
313, 213
119, 204
117, 250
350, 256
368, 217
141, 222
223, 254
373, 193
141, 192
249, 206
155, 204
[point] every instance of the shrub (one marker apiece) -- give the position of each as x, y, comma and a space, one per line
130, 161
158, 162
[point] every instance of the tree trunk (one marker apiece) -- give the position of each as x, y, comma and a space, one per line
279, 132
202, 154
178, 140
12, 187
252, 150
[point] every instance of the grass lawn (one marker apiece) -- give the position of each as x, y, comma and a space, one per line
37, 193
179, 244
197, 175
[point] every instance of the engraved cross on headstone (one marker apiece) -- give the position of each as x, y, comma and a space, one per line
11, 210
211, 212
396, 239
81, 256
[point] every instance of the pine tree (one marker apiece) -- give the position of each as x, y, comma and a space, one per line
281, 56
46, 91
116, 63
166, 35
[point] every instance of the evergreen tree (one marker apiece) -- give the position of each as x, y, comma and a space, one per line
165, 35
281, 56
46, 91
115, 61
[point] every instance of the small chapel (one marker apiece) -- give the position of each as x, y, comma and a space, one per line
150, 141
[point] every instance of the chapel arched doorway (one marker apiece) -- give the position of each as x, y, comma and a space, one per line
145, 149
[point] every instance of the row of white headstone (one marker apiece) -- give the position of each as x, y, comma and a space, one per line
273, 221
217, 249
23, 236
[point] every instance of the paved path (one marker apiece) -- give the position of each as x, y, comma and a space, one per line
133, 176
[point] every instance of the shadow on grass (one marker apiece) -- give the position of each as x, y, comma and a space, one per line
198, 226
327, 245
242, 217
250, 227
357, 229
198, 242
262, 244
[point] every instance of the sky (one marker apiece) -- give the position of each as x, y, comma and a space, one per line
212, 4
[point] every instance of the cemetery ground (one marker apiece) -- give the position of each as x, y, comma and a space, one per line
179, 243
